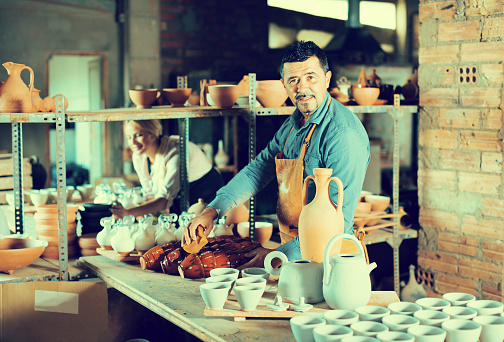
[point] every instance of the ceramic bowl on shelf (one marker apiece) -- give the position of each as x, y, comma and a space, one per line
378, 203
271, 93
19, 253
365, 96
363, 208
143, 98
177, 96
224, 95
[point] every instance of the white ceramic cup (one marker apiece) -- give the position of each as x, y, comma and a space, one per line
340, 317
492, 328
252, 281
460, 312
331, 333
399, 322
302, 327
214, 294
461, 330
425, 333
248, 296
486, 307
222, 279
431, 317
404, 308
459, 298
225, 271
255, 272
432, 303
368, 328
395, 336
372, 313
39, 197
359, 339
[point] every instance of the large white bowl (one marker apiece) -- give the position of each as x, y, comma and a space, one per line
459, 298
461, 330
432, 303
460, 312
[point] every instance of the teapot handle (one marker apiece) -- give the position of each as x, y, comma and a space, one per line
327, 266
270, 257
339, 207
305, 189
32, 77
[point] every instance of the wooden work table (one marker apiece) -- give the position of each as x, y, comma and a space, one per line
179, 301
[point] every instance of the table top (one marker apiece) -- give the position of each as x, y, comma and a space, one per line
179, 301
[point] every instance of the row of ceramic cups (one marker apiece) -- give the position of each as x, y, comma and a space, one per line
428, 319
248, 289
49, 195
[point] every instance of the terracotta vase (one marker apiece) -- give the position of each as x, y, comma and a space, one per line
221, 158
37, 102
321, 219
224, 96
15, 96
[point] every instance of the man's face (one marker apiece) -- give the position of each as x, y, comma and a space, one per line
306, 84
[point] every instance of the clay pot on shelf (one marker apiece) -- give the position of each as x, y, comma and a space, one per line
271, 94
144, 98
177, 96
37, 102
365, 96
49, 105
19, 253
65, 99
225, 95
378, 203
15, 96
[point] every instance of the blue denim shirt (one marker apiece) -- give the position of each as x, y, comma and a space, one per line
339, 142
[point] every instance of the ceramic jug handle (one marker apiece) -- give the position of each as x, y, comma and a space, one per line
270, 257
339, 207
327, 266
32, 77
305, 189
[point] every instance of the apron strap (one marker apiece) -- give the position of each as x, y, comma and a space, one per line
307, 141
285, 144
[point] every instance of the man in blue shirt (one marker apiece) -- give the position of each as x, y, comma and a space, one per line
321, 133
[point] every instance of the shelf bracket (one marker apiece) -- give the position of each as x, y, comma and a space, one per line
17, 159
252, 146
184, 153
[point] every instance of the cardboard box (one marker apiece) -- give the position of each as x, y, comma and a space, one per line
54, 311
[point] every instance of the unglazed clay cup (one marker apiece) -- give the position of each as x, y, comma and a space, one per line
461, 330
372, 313
404, 308
425, 333
459, 298
398, 322
486, 307
431, 317
367, 328
330, 333
252, 281
302, 327
340, 317
177, 96
224, 95
143, 98
492, 328
248, 296
460, 312
214, 294
233, 272
378, 203
432, 303
395, 336
255, 272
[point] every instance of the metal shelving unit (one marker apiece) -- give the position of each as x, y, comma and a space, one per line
182, 114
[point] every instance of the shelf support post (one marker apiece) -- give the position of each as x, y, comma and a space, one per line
252, 146
395, 190
184, 153
17, 159
61, 188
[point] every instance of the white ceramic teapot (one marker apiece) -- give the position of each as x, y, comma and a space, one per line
346, 276
299, 278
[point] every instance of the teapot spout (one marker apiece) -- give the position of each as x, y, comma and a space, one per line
371, 266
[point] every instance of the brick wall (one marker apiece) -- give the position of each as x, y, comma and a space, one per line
460, 174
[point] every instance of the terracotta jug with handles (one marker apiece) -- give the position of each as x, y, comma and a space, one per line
15, 96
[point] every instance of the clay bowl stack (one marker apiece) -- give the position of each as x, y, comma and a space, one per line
46, 226
91, 215
88, 244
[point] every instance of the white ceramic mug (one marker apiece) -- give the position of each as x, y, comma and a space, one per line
255, 272
461, 330
395, 336
340, 317
425, 333
302, 327
252, 281
248, 296
372, 313
492, 328
214, 294
367, 328
331, 333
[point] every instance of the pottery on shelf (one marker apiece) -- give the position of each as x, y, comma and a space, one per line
271, 93
37, 102
221, 158
49, 105
177, 96
299, 278
143, 98
224, 95
18, 253
365, 96
378, 203
321, 219
263, 231
15, 96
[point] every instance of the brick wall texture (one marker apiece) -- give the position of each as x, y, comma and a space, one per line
460, 176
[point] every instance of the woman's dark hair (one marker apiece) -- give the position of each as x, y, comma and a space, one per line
300, 52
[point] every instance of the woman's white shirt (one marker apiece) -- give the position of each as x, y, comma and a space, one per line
164, 178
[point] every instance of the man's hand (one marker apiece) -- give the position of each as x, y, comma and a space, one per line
258, 255
118, 210
205, 219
